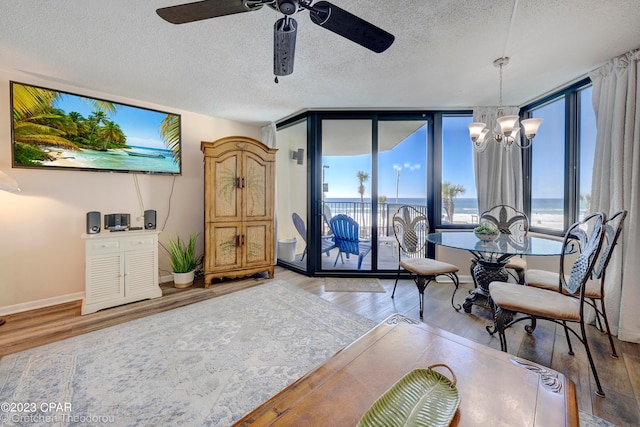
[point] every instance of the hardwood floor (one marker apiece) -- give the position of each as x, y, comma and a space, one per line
547, 345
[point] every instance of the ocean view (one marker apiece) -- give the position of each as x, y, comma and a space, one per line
467, 205
134, 158
545, 212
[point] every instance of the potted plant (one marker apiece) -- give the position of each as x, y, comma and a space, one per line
183, 260
486, 232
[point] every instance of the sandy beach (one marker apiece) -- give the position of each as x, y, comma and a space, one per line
537, 220
64, 158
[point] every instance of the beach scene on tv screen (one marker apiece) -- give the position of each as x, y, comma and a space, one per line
62, 130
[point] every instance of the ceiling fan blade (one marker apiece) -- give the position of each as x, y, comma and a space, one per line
196, 11
284, 45
350, 26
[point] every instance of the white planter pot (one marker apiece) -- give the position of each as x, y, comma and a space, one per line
183, 280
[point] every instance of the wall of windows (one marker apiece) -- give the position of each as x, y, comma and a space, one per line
425, 158
558, 166
364, 165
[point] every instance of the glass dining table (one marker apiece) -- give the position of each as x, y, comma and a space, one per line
492, 256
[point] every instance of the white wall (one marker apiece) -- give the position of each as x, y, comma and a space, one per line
291, 182
41, 252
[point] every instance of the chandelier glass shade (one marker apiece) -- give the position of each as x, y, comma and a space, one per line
505, 131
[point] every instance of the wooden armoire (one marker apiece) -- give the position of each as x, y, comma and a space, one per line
239, 180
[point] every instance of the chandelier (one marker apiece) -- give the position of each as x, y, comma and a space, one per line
506, 129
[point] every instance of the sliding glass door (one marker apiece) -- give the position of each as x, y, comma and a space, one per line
347, 220
370, 166
402, 179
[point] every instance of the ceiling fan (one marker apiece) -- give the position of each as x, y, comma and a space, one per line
321, 13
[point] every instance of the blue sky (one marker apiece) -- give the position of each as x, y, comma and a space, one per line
548, 149
141, 126
410, 157
457, 155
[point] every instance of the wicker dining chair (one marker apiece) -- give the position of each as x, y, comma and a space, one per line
594, 289
411, 227
533, 303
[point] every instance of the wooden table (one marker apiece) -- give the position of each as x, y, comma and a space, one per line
496, 388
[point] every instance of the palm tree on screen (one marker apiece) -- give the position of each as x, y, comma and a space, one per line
36, 123
33, 118
170, 134
111, 133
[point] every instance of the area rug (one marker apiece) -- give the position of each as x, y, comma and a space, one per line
208, 363
332, 284
588, 420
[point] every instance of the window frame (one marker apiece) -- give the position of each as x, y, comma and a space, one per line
571, 95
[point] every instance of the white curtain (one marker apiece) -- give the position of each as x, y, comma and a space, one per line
268, 136
498, 171
616, 183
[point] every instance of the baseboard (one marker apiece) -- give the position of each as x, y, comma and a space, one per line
42, 303
627, 336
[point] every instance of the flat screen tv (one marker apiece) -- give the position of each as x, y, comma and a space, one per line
52, 129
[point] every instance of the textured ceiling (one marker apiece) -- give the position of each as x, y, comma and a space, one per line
442, 56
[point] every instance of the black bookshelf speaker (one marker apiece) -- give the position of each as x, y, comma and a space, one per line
150, 220
93, 222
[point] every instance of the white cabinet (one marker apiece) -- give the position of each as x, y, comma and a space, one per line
120, 267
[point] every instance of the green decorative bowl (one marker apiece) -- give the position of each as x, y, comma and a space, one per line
422, 398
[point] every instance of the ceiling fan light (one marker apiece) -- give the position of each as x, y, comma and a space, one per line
287, 7
284, 45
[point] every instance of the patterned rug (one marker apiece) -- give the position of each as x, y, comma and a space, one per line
333, 284
208, 363
588, 420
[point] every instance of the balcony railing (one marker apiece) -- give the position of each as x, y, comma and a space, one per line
361, 212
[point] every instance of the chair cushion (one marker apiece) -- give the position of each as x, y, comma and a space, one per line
549, 280
542, 279
516, 263
535, 301
427, 266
